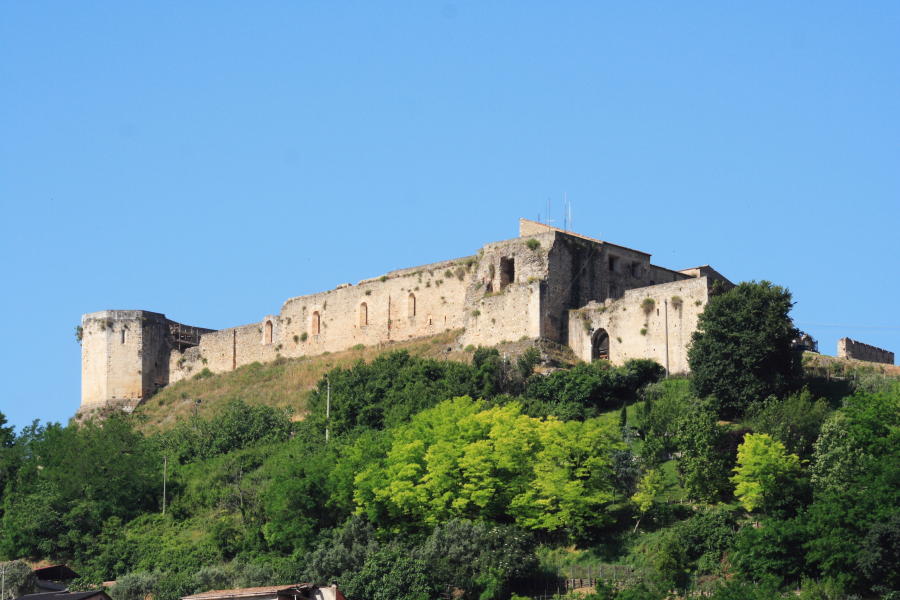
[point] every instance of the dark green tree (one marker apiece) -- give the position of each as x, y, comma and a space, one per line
741, 352
706, 457
481, 559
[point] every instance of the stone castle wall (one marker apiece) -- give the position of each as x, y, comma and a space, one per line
521, 288
847, 348
653, 322
399, 306
124, 356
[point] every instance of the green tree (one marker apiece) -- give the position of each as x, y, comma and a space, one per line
706, 457
19, 579
772, 551
72, 480
764, 468
741, 351
478, 558
795, 421
650, 486
856, 486
658, 418
461, 460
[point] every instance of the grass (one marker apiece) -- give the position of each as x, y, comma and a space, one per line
284, 383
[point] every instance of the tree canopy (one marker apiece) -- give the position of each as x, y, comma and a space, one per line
741, 352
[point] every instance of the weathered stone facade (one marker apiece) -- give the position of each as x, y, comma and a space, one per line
847, 348
546, 283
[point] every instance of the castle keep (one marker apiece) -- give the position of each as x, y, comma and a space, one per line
600, 299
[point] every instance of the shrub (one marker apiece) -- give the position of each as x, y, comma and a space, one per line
533, 244
647, 305
204, 374
304, 336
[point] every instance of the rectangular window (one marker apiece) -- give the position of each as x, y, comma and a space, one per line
507, 271
613, 264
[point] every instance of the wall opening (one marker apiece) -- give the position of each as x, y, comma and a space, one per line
363, 314
267, 338
315, 323
122, 334
507, 271
600, 345
636, 270
613, 264
411, 306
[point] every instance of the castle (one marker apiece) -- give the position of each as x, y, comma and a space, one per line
600, 299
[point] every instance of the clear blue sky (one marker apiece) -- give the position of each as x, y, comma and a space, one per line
209, 160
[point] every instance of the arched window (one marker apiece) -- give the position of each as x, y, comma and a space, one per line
600, 345
363, 314
315, 323
411, 305
267, 339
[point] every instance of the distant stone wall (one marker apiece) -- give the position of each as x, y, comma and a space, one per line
847, 348
653, 322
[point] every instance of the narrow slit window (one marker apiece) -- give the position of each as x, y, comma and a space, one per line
315, 323
363, 314
507, 271
268, 333
411, 305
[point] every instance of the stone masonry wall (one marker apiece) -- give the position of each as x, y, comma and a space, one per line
644, 323
502, 302
401, 305
120, 352
847, 348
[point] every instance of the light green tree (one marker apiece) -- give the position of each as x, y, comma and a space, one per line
460, 460
763, 468
650, 486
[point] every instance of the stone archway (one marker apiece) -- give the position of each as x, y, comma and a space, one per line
600, 345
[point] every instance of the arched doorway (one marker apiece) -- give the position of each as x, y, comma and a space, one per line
600, 345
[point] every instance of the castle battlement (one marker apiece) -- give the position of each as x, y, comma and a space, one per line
545, 283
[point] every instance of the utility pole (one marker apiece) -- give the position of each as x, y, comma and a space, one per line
165, 473
327, 405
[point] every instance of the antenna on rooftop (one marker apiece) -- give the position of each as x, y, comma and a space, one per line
549, 220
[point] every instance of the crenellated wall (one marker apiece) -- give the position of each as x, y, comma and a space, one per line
847, 348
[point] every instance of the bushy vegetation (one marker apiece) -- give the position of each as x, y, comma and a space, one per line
482, 480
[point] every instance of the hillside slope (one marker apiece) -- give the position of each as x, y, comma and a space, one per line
284, 383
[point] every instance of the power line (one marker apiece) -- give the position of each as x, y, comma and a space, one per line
807, 323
